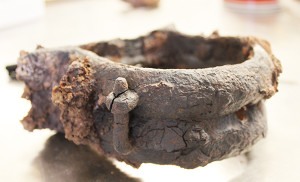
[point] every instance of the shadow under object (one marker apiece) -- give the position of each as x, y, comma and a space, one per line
64, 161
163, 98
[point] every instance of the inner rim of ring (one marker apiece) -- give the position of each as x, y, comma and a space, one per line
171, 50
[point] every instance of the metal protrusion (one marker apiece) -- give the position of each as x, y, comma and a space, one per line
120, 102
121, 140
120, 86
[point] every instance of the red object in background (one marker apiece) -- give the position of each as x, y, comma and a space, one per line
252, 0
253, 6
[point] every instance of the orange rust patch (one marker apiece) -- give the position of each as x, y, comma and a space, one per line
241, 114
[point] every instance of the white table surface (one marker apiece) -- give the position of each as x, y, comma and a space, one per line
274, 159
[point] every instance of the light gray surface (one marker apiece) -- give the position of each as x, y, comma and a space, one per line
273, 159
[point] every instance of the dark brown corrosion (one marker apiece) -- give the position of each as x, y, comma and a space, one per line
11, 69
205, 105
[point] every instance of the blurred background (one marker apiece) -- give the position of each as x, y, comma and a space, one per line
29, 156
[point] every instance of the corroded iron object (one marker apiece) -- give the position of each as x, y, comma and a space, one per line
165, 98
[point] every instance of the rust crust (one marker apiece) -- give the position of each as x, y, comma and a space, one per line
163, 98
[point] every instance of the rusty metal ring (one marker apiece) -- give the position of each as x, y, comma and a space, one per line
184, 117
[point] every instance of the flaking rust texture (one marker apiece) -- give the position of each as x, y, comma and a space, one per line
164, 98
